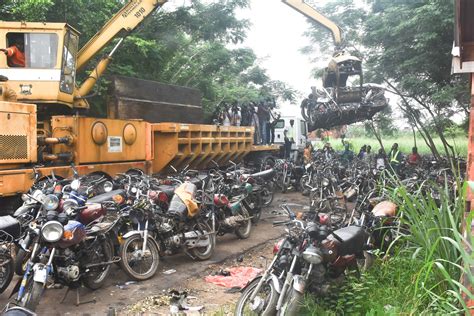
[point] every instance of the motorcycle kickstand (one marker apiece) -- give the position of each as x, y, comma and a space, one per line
78, 298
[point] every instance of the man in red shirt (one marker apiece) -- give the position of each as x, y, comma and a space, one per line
414, 158
15, 54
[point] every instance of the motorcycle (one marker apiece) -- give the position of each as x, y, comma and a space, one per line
307, 259
165, 232
64, 250
9, 232
228, 215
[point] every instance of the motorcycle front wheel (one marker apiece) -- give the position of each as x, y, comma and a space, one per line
204, 253
243, 231
136, 264
6, 271
264, 302
32, 295
96, 276
267, 194
292, 304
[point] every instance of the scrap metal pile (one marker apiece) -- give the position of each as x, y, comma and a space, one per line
339, 103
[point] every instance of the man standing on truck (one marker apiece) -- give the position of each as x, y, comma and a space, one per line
15, 53
263, 117
273, 123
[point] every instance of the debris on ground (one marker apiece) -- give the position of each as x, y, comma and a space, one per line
178, 302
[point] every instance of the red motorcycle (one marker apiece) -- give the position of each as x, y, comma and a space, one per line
307, 259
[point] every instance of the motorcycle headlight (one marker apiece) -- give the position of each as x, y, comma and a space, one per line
69, 205
312, 256
51, 202
52, 231
38, 195
325, 182
108, 186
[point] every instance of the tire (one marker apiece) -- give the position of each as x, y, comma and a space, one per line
97, 276
293, 303
21, 259
304, 180
254, 205
267, 304
6, 272
366, 263
32, 295
204, 253
243, 232
129, 265
267, 195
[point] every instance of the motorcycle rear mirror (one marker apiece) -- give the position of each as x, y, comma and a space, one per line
75, 184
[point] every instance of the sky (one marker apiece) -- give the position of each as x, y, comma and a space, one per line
276, 36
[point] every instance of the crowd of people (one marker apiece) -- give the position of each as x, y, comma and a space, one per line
262, 115
380, 160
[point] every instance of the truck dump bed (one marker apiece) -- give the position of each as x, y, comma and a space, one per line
197, 145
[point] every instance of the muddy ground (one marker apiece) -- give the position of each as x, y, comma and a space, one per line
125, 299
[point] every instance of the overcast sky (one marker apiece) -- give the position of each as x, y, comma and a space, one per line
276, 36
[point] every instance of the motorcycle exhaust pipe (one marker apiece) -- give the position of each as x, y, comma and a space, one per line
194, 239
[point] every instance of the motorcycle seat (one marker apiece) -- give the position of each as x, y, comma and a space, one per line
105, 196
353, 240
11, 226
265, 174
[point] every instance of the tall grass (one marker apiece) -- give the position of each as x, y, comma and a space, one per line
405, 143
436, 239
422, 276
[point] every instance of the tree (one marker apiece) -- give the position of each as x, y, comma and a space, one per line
186, 46
408, 52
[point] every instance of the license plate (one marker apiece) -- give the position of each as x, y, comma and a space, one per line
41, 274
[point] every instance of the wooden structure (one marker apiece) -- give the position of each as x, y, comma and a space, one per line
463, 62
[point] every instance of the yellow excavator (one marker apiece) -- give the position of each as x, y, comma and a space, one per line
339, 102
41, 132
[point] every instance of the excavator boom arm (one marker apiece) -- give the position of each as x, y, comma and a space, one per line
127, 19
310, 12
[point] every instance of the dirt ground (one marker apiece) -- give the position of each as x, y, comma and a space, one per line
214, 299
121, 296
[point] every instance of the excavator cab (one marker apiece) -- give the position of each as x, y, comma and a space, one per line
42, 68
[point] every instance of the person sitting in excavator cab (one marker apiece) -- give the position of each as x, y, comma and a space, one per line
15, 53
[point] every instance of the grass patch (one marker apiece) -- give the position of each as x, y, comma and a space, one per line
385, 290
405, 143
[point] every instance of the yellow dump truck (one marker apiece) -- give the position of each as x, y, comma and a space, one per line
41, 129
110, 146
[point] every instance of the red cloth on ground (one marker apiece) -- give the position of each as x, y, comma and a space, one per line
239, 277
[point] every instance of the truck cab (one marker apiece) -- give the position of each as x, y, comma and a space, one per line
300, 130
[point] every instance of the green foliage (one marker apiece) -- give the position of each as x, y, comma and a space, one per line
385, 290
187, 46
26, 10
